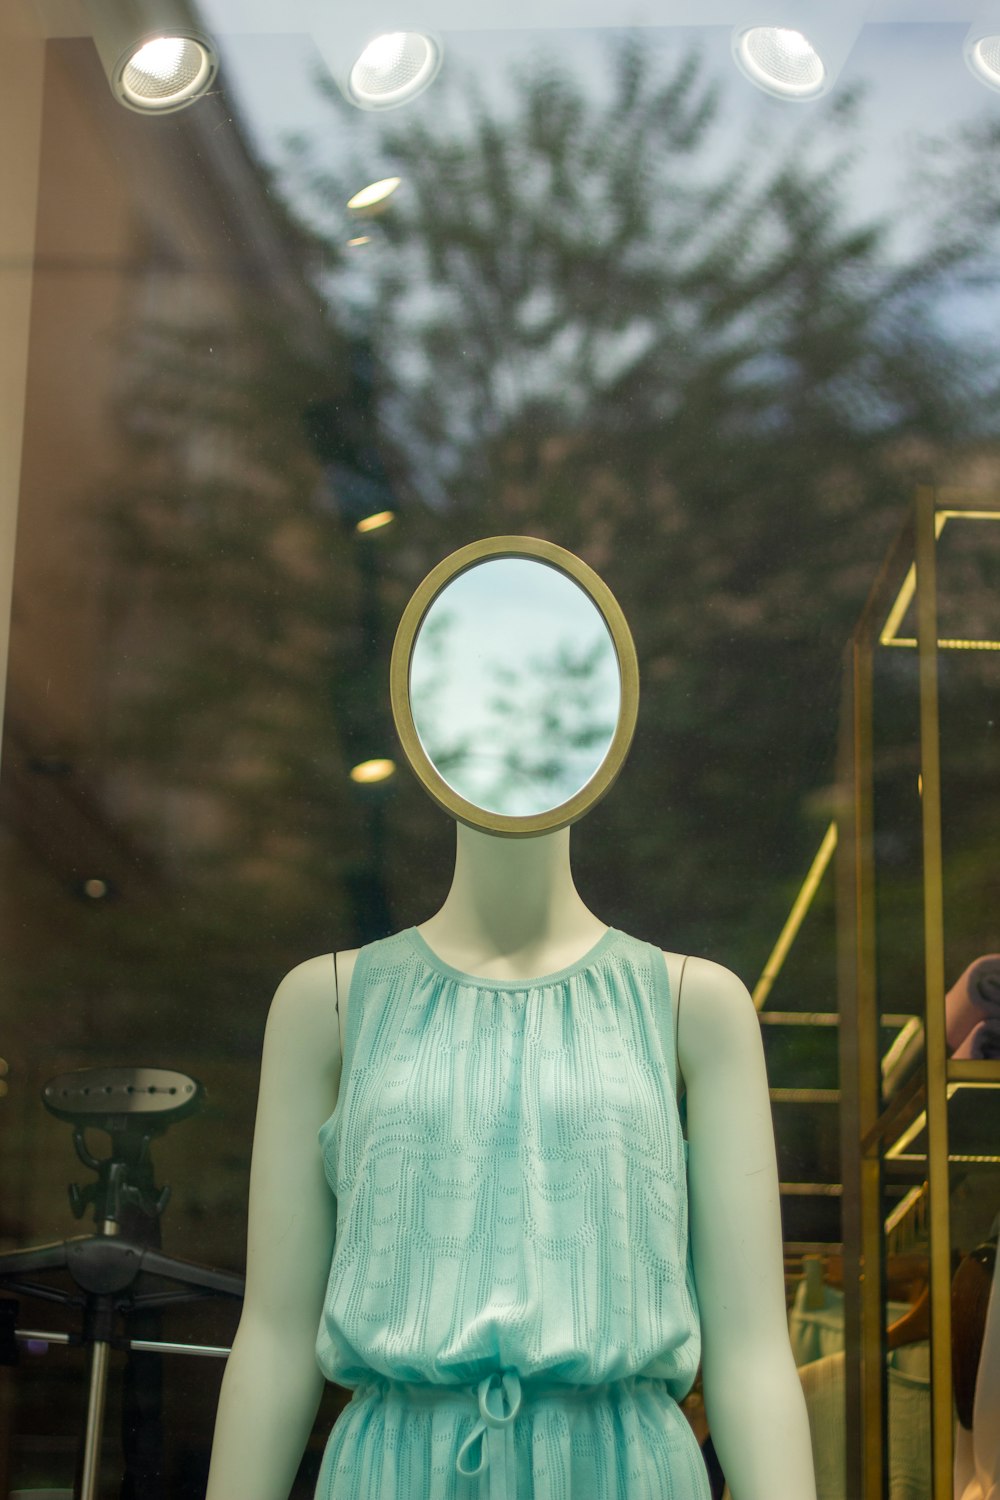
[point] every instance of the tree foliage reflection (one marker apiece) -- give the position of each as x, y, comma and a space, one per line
591, 314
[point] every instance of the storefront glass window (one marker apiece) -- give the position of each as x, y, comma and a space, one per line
283, 326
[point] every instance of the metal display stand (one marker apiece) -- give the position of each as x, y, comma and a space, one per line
116, 1273
923, 1112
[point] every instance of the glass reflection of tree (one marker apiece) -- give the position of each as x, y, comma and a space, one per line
682, 354
679, 355
601, 315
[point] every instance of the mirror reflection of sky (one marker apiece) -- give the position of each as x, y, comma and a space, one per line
514, 686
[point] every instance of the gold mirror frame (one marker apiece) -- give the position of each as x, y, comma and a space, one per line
604, 777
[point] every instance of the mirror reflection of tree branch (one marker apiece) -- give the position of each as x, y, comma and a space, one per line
537, 736
557, 709
452, 748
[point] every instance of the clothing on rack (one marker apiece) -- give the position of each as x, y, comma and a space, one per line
815, 1332
908, 1452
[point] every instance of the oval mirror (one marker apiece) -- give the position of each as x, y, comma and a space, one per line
514, 685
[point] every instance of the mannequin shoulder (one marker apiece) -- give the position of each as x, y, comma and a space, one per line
307, 995
309, 984
304, 1007
717, 1015
315, 980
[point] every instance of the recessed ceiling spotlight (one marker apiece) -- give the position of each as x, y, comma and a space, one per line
781, 61
155, 60
795, 49
393, 69
982, 45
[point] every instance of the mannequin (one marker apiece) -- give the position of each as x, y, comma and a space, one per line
513, 912
976, 1370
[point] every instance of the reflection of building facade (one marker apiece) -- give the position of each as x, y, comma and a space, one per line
153, 241
135, 267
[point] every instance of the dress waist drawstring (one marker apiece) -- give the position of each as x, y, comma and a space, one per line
495, 1432
499, 1397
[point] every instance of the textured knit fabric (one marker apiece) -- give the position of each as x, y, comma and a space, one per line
511, 1295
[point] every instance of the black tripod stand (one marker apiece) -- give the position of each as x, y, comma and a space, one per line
118, 1272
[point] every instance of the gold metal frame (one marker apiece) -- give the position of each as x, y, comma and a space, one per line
800, 910
904, 598
871, 1132
399, 686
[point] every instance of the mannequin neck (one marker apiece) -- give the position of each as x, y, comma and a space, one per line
512, 900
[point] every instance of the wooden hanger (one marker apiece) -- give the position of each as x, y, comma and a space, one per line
914, 1325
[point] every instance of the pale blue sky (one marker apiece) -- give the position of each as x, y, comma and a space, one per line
916, 78
512, 614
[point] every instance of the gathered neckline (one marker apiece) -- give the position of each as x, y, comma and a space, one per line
535, 981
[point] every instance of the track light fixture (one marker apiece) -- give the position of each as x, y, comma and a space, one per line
156, 58
982, 45
379, 71
795, 49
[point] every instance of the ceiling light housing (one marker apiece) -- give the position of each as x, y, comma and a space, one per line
155, 60
780, 61
381, 71
795, 49
982, 45
393, 69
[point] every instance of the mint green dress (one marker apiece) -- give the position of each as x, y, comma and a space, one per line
510, 1295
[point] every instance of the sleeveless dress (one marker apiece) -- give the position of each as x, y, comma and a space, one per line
510, 1295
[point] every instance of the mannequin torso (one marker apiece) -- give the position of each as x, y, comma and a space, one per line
513, 912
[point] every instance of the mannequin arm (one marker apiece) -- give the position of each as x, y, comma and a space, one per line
272, 1385
753, 1398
